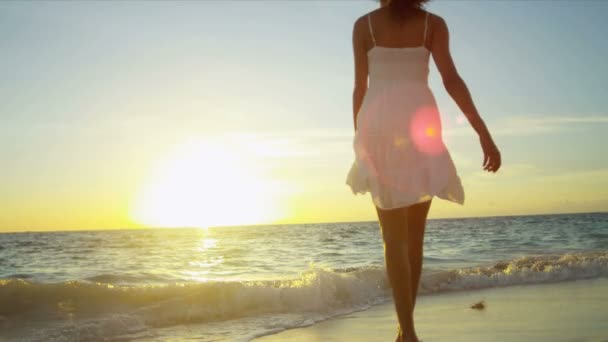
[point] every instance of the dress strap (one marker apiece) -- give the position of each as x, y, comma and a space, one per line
426, 19
371, 30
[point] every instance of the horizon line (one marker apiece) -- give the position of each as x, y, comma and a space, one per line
286, 224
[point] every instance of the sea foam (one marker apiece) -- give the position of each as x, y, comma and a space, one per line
319, 293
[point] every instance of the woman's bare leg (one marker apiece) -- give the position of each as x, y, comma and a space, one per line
416, 223
396, 256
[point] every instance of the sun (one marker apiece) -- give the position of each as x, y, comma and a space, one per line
209, 182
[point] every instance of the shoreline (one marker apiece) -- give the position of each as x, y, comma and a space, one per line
565, 311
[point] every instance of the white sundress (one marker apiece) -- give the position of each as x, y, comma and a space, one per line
400, 156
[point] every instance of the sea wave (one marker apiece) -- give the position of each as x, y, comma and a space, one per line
318, 291
105, 310
529, 269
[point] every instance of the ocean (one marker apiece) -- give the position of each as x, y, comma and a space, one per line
238, 283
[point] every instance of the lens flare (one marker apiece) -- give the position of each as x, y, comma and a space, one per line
461, 119
425, 128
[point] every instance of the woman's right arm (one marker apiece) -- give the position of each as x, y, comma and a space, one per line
456, 87
361, 68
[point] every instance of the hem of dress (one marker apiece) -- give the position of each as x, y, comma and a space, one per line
355, 178
426, 199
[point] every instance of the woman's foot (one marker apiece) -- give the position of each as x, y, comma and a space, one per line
409, 339
401, 338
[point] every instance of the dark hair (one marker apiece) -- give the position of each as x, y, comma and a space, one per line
399, 8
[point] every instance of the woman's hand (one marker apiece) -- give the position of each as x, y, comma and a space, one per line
491, 154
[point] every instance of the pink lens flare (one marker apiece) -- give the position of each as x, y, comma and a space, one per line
461, 119
425, 129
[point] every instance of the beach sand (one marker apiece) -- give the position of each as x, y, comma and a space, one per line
567, 311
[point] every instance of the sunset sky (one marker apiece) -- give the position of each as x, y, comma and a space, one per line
132, 114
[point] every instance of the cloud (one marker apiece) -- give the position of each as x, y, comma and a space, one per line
552, 120
514, 172
519, 125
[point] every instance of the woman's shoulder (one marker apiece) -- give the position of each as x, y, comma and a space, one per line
375, 14
435, 18
361, 24
363, 19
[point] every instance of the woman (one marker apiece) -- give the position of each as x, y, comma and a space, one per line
400, 157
